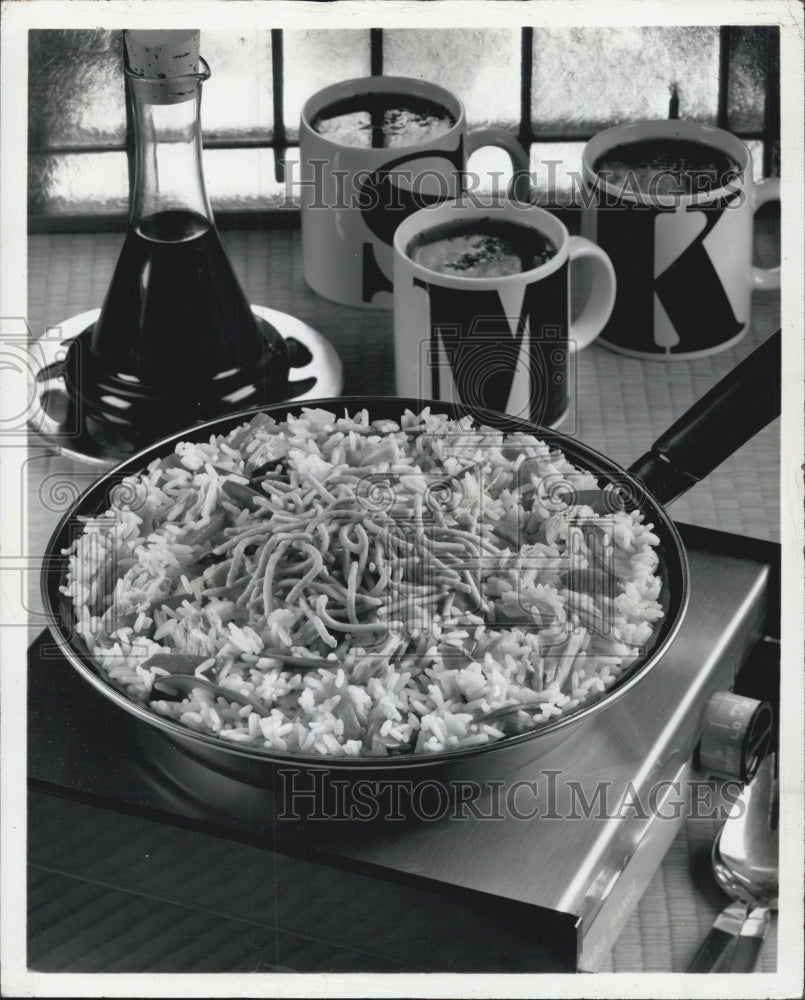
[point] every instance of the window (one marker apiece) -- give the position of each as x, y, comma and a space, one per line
553, 88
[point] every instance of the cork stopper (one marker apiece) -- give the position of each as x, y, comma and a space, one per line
160, 57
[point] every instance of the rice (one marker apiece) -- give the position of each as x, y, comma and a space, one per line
430, 570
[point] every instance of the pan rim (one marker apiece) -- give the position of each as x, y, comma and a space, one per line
131, 464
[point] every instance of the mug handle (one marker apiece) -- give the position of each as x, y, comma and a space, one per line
520, 187
598, 307
766, 190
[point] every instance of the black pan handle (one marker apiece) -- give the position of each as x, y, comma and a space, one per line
744, 957
715, 948
731, 413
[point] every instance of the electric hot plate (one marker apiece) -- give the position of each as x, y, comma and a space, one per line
143, 859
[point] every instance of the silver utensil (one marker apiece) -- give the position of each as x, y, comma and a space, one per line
745, 864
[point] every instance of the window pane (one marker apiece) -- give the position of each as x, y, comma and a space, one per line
87, 183
244, 179
238, 99
490, 170
556, 171
756, 149
747, 83
315, 59
586, 79
76, 93
481, 67
78, 183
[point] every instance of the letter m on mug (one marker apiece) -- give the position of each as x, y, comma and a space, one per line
488, 324
501, 348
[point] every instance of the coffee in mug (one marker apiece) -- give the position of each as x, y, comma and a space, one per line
667, 166
482, 307
682, 253
488, 248
383, 121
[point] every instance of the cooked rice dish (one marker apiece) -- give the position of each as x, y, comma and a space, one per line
364, 588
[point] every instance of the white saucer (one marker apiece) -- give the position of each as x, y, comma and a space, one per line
67, 438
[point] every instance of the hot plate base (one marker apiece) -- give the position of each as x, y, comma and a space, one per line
544, 864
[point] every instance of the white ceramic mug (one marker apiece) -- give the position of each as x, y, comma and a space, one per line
502, 342
353, 197
683, 261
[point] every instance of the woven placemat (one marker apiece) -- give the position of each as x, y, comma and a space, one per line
624, 404
620, 405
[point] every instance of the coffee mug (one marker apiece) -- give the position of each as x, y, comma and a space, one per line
467, 335
353, 196
682, 251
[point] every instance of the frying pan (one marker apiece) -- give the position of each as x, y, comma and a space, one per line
729, 415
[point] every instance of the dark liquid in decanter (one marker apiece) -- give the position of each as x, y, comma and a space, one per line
175, 316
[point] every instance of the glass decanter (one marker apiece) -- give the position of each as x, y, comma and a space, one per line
176, 340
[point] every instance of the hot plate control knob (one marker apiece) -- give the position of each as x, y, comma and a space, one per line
736, 737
